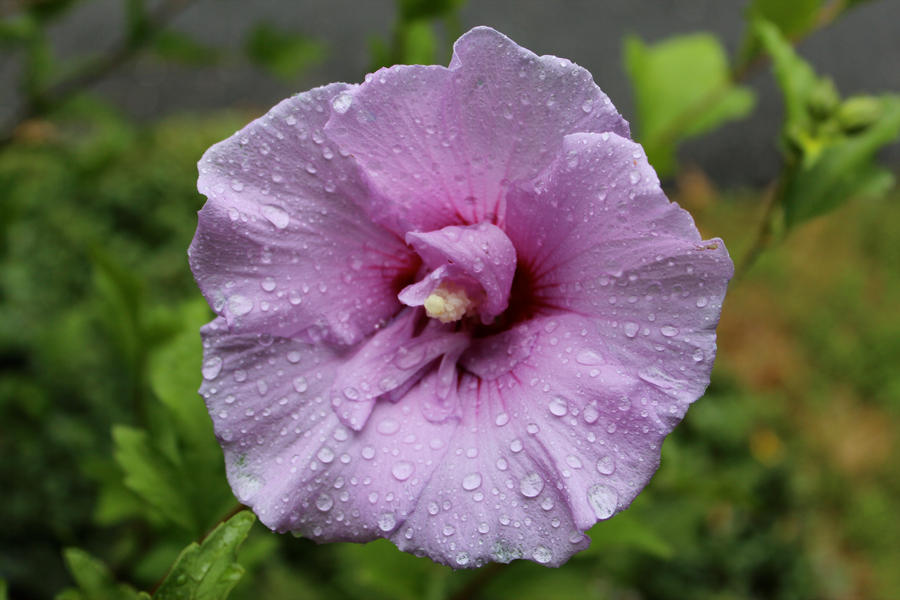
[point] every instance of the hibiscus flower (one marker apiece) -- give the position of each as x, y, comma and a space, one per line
455, 308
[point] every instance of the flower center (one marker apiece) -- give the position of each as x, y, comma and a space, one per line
448, 302
467, 271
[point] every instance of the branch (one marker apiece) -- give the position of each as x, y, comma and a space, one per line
90, 74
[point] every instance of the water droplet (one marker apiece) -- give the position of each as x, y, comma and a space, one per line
387, 522
542, 555
472, 481
558, 406
501, 420
300, 384
634, 177
668, 331
573, 461
606, 465
211, 367
631, 328
276, 215
516, 445
402, 470
603, 499
462, 559
588, 357
388, 426
324, 502
240, 305
698, 355
531, 485
267, 284
409, 359
590, 414
325, 454
341, 103
702, 301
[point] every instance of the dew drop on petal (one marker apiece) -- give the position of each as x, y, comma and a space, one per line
542, 555
324, 502
668, 331
472, 481
402, 470
387, 521
240, 305
603, 499
325, 454
276, 215
212, 367
341, 103
631, 328
588, 357
606, 465
388, 427
558, 406
531, 485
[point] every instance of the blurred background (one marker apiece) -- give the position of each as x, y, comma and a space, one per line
783, 481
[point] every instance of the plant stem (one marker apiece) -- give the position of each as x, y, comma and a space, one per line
763, 235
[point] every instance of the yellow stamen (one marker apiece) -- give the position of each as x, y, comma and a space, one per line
448, 303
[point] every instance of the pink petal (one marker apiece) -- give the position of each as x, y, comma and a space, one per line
288, 456
442, 145
281, 246
386, 361
495, 495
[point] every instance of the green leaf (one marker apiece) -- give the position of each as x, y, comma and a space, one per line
284, 55
419, 44
208, 571
17, 29
842, 169
180, 48
175, 377
628, 530
791, 18
796, 78
152, 475
94, 580
682, 88
3, 595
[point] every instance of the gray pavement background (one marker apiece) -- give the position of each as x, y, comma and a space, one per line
861, 52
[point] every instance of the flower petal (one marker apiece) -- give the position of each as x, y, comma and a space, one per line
283, 248
443, 145
495, 495
289, 457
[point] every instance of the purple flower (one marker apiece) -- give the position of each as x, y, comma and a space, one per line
455, 309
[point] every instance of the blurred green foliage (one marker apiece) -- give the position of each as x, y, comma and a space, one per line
682, 88
779, 484
830, 145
